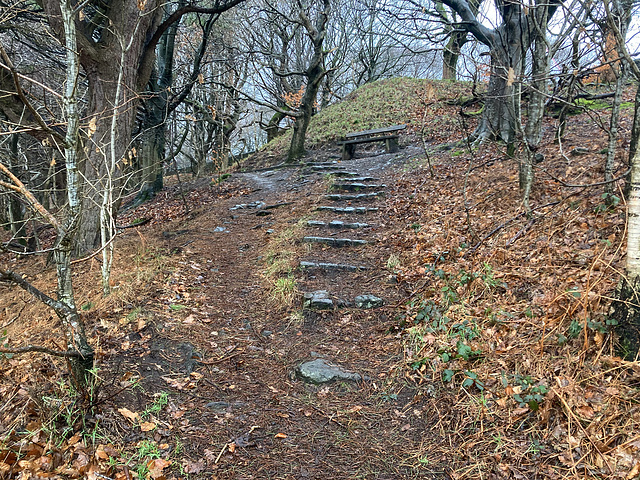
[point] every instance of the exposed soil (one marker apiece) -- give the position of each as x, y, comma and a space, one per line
241, 347
206, 329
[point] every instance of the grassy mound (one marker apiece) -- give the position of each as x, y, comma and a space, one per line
378, 104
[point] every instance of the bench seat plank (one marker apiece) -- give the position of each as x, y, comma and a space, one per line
367, 140
376, 131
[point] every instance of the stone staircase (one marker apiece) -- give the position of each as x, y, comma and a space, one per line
339, 239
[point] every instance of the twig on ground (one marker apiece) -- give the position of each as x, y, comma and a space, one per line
13, 319
39, 349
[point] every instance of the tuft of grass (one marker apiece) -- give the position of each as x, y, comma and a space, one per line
393, 262
280, 258
285, 291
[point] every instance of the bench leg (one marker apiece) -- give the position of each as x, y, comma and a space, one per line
348, 151
392, 145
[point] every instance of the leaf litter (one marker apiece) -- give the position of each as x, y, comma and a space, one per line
494, 359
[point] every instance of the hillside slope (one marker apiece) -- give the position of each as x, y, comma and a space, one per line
492, 357
418, 103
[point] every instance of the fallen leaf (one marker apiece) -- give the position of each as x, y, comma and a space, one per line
586, 411
156, 466
280, 435
147, 426
133, 416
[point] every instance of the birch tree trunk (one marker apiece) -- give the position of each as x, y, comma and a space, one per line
540, 75
614, 122
625, 310
65, 243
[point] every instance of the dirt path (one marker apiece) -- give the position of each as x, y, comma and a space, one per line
226, 353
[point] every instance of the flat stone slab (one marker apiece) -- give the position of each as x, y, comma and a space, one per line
322, 168
356, 187
336, 224
344, 173
321, 164
359, 196
368, 301
332, 266
335, 242
243, 206
318, 300
363, 179
321, 371
359, 210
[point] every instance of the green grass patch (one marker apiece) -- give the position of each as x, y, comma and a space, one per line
379, 104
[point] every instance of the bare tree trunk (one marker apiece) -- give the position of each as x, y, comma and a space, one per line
635, 129
625, 310
296, 149
540, 75
76, 336
614, 122
451, 53
273, 127
315, 73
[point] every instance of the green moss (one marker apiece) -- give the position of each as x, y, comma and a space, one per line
592, 104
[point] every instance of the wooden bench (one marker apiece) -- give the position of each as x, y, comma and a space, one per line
388, 135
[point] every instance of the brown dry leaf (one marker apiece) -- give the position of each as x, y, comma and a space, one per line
101, 454
156, 466
194, 467
520, 411
147, 426
586, 411
73, 440
91, 129
280, 435
132, 416
511, 77
81, 462
178, 414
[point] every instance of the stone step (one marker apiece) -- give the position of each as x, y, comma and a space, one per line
321, 164
359, 196
332, 266
356, 187
337, 224
335, 242
362, 179
359, 210
327, 168
344, 173
368, 301
318, 300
